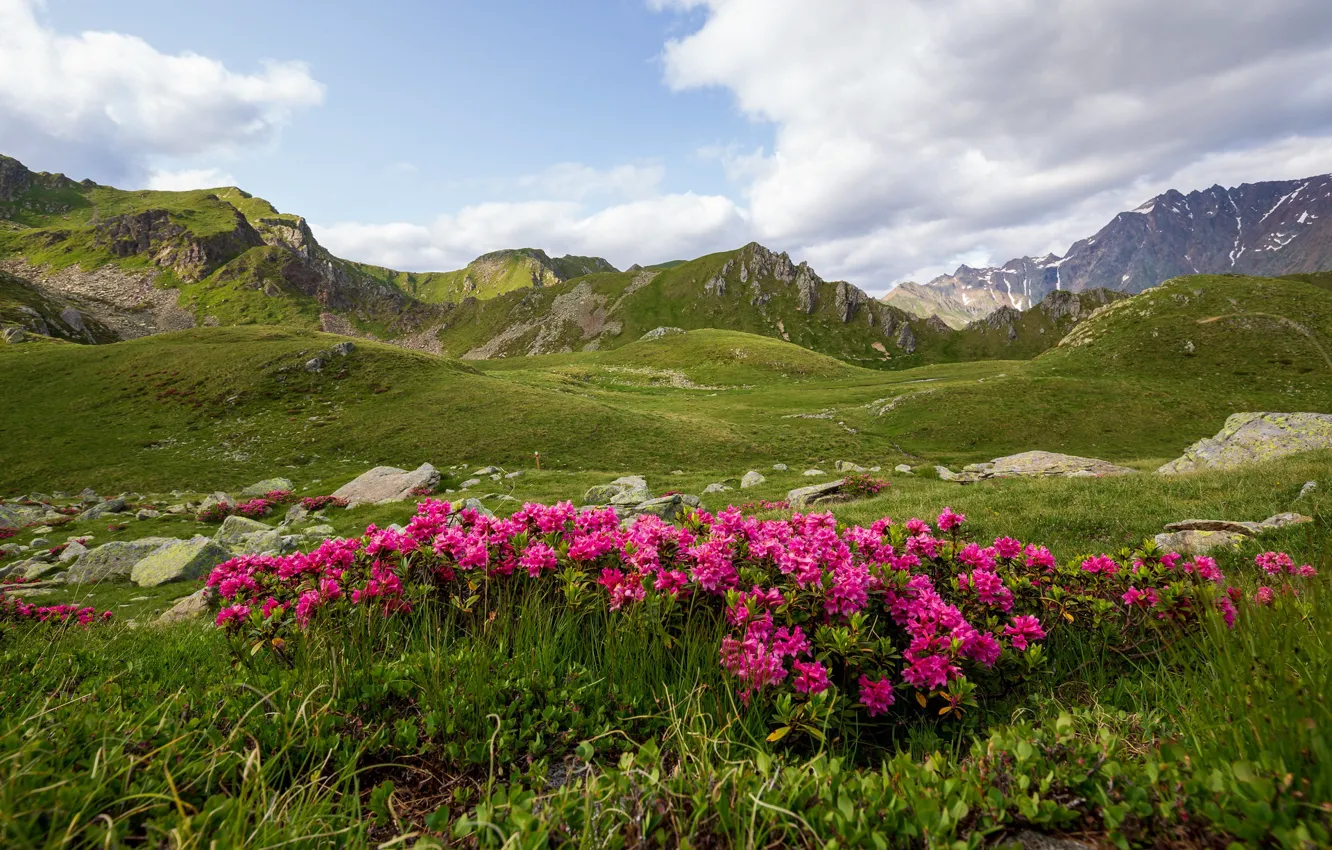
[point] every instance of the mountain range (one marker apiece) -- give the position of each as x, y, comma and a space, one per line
1261, 229
92, 264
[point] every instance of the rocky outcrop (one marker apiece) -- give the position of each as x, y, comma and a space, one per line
112, 303
181, 560
1200, 536
387, 484
1035, 465
1248, 438
114, 560
804, 497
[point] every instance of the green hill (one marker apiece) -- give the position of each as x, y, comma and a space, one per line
490, 275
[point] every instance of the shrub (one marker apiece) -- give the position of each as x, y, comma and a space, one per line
215, 513
318, 503
862, 485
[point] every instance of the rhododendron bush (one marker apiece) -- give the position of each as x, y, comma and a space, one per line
895, 616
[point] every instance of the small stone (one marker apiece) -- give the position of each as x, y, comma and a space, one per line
903, 468
945, 474
779, 467
486, 470
315, 364
810, 473
1307, 489
517, 473
198, 604
110, 506
73, 551
716, 487
848, 466
14, 335
1283, 520
471, 482
39, 543
752, 478
343, 349
147, 513
677, 472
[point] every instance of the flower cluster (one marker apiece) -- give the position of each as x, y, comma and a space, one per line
812, 606
256, 508
14, 610
862, 485
764, 505
318, 503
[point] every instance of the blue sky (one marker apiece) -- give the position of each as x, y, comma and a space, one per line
881, 140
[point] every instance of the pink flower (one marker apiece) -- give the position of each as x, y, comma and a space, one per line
948, 520
1263, 596
1039, 556
811, 677
876, 695
1007, 547
1275, 563
233, 616
1227, 609
538, 558
1023, 629
1142, 598
1102, 564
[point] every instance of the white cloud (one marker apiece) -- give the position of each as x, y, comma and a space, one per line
644, 231
189, 178
575, 181
911, 132
108, 104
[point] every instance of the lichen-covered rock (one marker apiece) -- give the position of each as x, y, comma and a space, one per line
387, 484
234, 529
1198, 542
1248, 438
658, 333
193, 607
114, 560
110, 506
903, 468
625, 490
845, 466
669, 508
1038, 465
803, 497
1247, 529
182, 560
268, 485
715, 487
810, 473
752, 478
1283, 520
17, 516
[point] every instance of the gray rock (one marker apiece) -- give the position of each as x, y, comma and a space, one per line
1029, 840
625, 490
810, 473
114, 560
344, 349
1248, 438
945, 474
259, 542
180, 561
496, 477
486, 470
669, 508
804, 497
903, 468
14, 335
475, 504
320, 532
199, 604
779, 467
517, 473
658, 333
1283, 520
296, 513
691, 501
1307, 489
387, 484
18, 516
147, 513
315, 364
268, 485
8, 549
848, 466
110, 506
212, 501
752, 478
35, 570
471, 482
39, 543
72, 552
177, 510
1039, 465
715, 487
234, 529
1247, 529
1198, 542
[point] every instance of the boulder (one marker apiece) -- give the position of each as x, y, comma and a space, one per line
848, 466
215, 499
810, 473
486, 470
39, 543
198, 604
182, 560
946, 474
268, 485
475, 505
1198, 542
147, 513
17, 516
110, 506
259, 542
517, 473
320, 532
34, 570
114, 560
752, 478
715, 487
471, 482
779, 467
387, 484
903, 468
625, 490
1248, 438
296, 513
1041, 465
344, 349
72, 552
804, 497
234, 528
315, 364
1246, 529
14, 335
669, 508
1282, 520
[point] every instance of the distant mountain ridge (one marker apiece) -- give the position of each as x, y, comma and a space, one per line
925, 302
1263, 229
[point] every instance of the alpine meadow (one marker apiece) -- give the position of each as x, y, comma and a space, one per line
299, 550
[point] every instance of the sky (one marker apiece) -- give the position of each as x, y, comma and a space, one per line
880, 140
